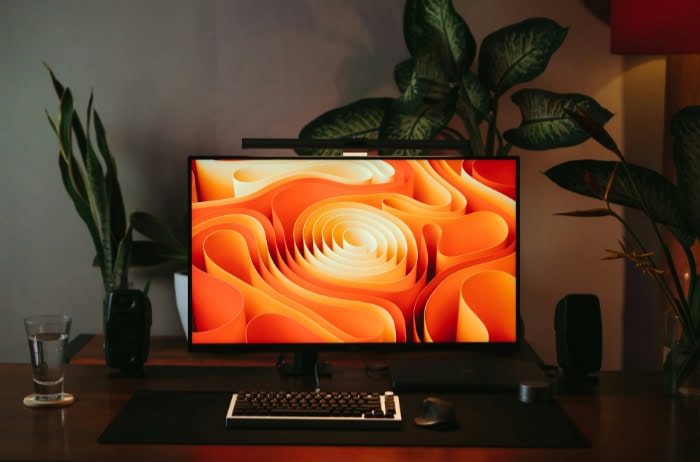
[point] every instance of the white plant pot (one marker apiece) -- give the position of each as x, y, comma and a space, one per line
181, 282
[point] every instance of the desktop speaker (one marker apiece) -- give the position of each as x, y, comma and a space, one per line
128, 329
579, 334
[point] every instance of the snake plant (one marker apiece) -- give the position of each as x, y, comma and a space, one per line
90, 178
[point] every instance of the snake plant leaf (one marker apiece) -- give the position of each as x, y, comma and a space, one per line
685, 129
78, 131
518, 53
545, 124
424, 124
659, 195
82, 207
360, 119
74, 180
112, 189
65, 123
100, 206
120, 274
439, 38
57, 85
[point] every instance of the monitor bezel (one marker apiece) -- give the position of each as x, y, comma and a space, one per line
382, 347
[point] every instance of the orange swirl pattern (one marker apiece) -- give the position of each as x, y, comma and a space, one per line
302, 250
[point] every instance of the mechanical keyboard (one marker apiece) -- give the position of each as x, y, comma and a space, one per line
314, 410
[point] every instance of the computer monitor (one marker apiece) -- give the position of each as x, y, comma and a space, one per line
299, 254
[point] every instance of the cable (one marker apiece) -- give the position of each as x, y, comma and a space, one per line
316, 376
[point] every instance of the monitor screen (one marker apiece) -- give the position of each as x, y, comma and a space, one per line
349, 253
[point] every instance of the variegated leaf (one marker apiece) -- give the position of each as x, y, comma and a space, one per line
437, 35
544, 123
403, 73
424, 124
410, 99
360, 119
658, 195
685, 129
477, 94
594, 129
518, 53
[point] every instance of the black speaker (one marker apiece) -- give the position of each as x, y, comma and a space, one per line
128, 329
579, 334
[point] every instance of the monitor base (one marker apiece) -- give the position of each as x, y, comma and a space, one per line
304, 363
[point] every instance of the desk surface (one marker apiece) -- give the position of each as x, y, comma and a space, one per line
626, 419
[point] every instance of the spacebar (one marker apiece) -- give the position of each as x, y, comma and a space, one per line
300, 412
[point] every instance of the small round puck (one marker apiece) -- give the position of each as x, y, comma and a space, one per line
535, 391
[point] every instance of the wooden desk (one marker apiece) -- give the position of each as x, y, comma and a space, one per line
628, 419
163, 351
87, 349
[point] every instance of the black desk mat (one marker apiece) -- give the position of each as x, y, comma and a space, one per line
486, 420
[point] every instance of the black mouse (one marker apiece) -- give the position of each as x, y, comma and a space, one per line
437, 413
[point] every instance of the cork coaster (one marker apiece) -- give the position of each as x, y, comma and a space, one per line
66, 400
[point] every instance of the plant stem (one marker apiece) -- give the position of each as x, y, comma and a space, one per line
683, 303
675, 303
491, 134
467, 113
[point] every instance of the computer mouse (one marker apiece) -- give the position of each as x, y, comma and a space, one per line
437, 413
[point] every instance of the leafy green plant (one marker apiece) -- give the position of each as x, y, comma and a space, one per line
665, 204
437, 84
90, 178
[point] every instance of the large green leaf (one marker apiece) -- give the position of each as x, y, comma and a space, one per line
661, 197
424, 124
685, 129
154, 229
412, 33
545, 124
404, 73
447, 47
441, 41
411, 98
360, 119
518, 53
150, 253
595, 129
415, 89
476, 94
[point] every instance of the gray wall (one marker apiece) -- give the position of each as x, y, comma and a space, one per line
173, 78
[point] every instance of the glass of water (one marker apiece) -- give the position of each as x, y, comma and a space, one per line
47, 336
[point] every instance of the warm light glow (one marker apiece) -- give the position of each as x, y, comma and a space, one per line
354, 154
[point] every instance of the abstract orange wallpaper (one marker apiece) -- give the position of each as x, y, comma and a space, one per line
354, 250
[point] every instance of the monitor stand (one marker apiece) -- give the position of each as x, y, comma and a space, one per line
304, 363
